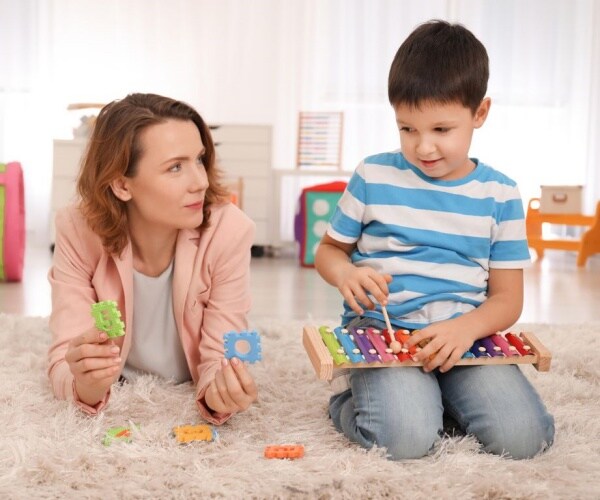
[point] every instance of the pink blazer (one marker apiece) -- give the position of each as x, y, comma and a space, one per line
211, 294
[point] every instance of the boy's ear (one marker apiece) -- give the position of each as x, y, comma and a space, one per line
120, 188
482, 112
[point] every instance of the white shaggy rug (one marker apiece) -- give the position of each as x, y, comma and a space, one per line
50, 450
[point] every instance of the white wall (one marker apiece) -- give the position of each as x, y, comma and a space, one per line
262, 61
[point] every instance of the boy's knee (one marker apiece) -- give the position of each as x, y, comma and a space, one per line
519, 441
410, 446
404, 442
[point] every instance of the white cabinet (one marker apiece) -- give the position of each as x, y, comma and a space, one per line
244, 152
66, 158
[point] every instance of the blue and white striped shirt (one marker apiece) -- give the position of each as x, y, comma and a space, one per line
438, 239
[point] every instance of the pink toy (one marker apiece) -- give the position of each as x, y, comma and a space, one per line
12, 222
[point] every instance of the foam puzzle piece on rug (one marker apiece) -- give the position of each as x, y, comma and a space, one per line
107, 318
284, 451
120, 433
251, 340
189, 433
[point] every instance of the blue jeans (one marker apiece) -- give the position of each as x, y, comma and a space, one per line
403, 409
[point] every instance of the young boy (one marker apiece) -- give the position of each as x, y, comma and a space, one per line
439, 239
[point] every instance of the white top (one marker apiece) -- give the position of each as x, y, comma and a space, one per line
155, 344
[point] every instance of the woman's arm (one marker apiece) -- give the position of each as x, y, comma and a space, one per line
76, 345
227, 260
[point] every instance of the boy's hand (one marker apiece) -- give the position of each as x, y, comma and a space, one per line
450, 339
445, 345
358, 281
94, 362
233, 389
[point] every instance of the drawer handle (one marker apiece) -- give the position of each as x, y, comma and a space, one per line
560, 197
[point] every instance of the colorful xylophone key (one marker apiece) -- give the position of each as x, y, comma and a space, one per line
347, 341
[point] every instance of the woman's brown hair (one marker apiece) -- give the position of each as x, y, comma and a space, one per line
114, 150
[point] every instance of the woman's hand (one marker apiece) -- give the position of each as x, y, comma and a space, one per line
94, 362
357, 282
233, 389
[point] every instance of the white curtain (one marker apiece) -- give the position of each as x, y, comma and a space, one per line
21, 130
262, 61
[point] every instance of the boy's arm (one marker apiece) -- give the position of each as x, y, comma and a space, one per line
332, 259
451, 338
333, 263
502, 308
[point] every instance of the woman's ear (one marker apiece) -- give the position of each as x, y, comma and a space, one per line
482, 112
120, 188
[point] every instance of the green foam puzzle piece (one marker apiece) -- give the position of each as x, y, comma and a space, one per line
108, 318
120, 433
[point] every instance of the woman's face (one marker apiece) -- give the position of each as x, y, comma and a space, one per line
170, 183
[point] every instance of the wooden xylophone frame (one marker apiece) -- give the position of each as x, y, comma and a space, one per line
324, 365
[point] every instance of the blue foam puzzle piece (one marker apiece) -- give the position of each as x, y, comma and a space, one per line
252, 338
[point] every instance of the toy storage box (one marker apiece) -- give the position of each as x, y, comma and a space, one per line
12, 222
315, 207
561, 200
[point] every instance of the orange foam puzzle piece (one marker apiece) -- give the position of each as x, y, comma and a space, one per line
189, 433
284, 451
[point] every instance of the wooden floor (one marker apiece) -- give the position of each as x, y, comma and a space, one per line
556, 290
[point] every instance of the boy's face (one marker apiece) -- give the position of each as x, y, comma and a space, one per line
436, 137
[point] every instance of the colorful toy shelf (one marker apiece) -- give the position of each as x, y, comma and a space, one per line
587, 245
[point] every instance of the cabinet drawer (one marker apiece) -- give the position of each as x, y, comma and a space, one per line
228, 152
259, 188
263, 234
256, 196
241, 134
67, 157
245, 168
255, 207
561, 200
63, 191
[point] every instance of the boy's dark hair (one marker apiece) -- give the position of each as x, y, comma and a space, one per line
439, 62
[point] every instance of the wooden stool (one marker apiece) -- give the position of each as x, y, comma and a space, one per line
589, 243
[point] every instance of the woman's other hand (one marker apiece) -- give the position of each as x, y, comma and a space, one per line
233, 389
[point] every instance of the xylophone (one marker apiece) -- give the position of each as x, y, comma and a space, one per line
331, 348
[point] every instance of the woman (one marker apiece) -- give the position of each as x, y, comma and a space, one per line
155, 232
